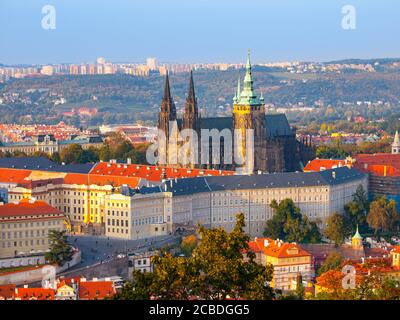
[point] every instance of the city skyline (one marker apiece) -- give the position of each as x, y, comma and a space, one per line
187, 33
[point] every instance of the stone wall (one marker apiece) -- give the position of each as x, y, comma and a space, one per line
36, 274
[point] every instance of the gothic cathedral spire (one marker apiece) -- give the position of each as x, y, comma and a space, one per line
167, 104
191, 115
166, 117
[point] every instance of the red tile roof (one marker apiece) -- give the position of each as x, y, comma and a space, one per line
14, 175
396, 249
7, 291
28, 207
380, 164
379, 159
100, 180
105, 173
277, 248
69, 281
96, 290
30, 184
151, 173
317, 165
34, 294
380, 170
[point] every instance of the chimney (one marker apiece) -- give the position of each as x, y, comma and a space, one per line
266, 243
128, 161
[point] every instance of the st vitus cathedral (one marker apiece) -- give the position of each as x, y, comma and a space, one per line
273, 147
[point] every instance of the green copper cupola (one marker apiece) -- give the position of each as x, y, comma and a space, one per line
247, 96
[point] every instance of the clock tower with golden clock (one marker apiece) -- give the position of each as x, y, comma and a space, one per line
248, 125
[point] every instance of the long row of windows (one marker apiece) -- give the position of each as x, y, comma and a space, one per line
22, 234
29, 224
26, 243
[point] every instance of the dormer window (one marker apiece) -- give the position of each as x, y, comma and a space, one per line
292, 251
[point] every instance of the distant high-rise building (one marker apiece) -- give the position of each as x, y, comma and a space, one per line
109, 69
162, 70
151, 63
92, 69
47, 70
100, 69
101, 60
73, 69
83, 69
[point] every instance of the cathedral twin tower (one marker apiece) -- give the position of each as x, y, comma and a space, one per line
168, 110
272, 148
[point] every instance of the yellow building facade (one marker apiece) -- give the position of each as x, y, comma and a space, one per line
25, 227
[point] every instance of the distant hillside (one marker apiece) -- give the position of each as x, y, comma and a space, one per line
121, 98
365, 61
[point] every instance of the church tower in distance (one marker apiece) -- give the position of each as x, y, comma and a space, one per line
248, 113
191, 115
166, 116
191, 121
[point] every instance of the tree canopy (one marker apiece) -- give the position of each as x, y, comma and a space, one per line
356, 211
115, 147
383, 215
336, 229
290, 225
332, 262
217, 269
60, 250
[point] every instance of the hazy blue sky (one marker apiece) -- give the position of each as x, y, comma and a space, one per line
197, 30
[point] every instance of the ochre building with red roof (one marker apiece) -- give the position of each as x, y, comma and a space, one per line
82, 196
383, 170
288, 259
24, 227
